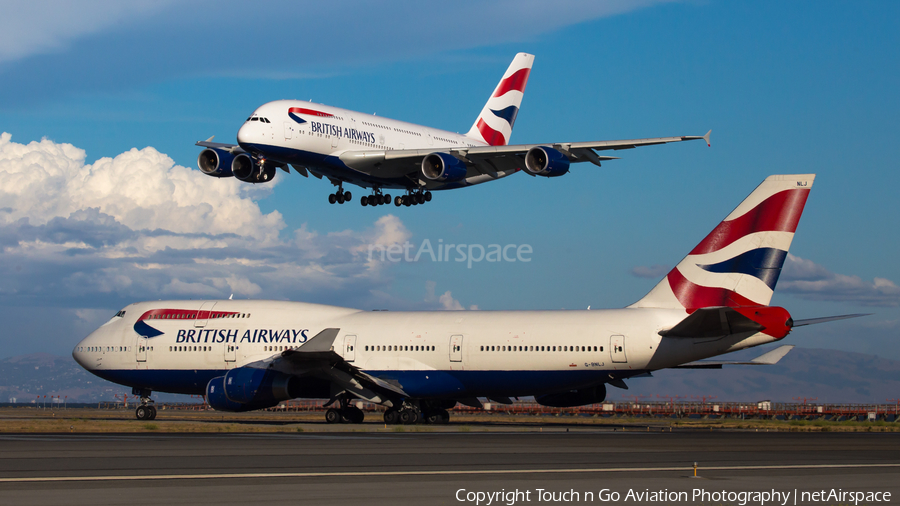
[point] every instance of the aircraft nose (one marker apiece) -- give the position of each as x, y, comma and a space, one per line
79, 354
242, 135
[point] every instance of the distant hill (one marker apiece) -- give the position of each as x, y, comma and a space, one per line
27, 377
834, 377
831, 376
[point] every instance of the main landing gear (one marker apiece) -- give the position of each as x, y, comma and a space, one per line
340, 196
413, 198
376, 199
409, 415
345, 414
146, 411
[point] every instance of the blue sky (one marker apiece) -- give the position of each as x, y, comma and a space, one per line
109, 208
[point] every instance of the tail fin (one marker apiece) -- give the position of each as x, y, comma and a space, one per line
495, 123
739, 262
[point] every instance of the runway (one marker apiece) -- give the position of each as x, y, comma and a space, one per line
387, 468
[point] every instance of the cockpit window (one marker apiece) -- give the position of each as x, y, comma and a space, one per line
121, 313
254, 119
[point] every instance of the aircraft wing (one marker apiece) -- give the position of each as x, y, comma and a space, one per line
232, 148
318, 358
491, 160
770, 358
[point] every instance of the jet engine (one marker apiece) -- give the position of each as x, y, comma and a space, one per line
547, 162
250, 171
573, 398
248, 389
442, 167
215, 162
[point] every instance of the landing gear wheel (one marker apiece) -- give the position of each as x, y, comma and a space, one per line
420, 199
398, 201
407, 200
432, 417
333, 416
445, 416
427, 196
387, 199
340, 198
142, 412
391, 416
347, 196
332, 198
409, 416
364, 201
354, 415
152, 413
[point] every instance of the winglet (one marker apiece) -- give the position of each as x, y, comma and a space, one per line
210, 138
323, 341
706, 138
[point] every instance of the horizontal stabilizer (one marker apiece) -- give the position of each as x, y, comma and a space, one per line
770, 358
712, 322
813, 321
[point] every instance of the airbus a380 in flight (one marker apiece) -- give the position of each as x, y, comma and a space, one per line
383, 154
246, 355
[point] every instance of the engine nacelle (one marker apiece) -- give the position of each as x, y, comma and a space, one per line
247, 170
443, 167
573, 397
247, 389
215, 162
547, 162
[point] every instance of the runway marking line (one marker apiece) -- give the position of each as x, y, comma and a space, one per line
431, 473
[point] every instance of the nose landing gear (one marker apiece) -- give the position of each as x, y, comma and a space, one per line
146, 410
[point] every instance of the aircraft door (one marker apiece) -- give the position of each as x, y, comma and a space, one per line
349, 348
288, 130
617, 348
230, 352
203, 314
456, 343
140, 349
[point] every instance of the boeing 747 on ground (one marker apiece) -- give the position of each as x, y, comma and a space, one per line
382, 154
253, 354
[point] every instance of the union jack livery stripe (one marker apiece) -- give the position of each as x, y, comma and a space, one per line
144, 329
495, 123
293, 112
739, 262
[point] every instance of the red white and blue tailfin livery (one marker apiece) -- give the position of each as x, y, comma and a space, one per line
252, 354
349, 147
740, 261
495, 123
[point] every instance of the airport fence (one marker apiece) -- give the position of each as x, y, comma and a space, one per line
631, 409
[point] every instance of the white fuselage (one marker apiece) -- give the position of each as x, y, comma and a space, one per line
433, 354
335, 144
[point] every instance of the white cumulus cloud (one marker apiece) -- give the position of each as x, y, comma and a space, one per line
808, 280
